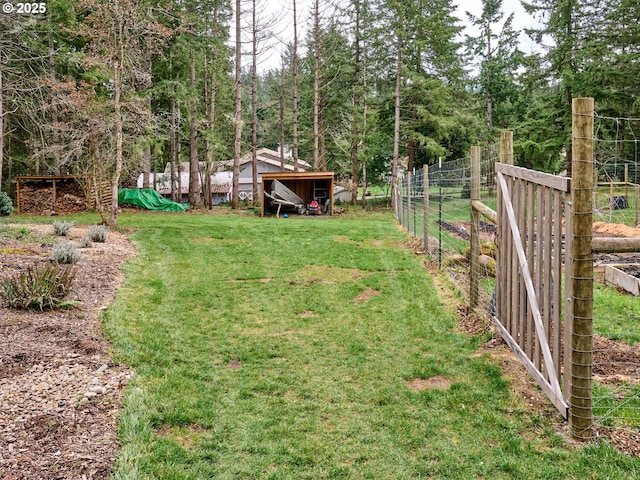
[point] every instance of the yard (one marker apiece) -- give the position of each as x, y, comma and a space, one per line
296, 348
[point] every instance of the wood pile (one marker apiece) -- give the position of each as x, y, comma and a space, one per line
37, 197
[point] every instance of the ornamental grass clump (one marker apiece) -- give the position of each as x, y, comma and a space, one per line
97, 233
62, 228
65, 253
40, 287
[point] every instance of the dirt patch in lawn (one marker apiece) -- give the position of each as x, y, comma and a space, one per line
366, 295
321, 273
432, 383
60, 392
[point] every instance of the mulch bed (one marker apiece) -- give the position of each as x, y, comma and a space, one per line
60, 392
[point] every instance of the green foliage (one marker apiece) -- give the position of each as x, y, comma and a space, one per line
6, 205
39, 287
97, 233
15, 233
61, 228
65, 253
85, 242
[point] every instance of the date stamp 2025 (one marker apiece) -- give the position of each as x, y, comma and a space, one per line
20, 8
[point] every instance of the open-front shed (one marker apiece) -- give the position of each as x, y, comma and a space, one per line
309, 186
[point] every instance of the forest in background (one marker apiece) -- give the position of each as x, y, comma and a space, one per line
107, 89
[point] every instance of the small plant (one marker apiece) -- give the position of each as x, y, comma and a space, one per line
65, 253
39, 287
85, 242
62, 228
6, 205
97, 233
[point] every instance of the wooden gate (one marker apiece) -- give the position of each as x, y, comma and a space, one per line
532, 207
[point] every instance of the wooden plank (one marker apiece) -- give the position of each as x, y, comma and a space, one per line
537, 354
515, 277
520, 204
500, 262
547, 278
547, 387
531, 236
568, 296
553, 379
557, 286
545, 179
615, 276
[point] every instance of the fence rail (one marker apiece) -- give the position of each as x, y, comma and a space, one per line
549, 235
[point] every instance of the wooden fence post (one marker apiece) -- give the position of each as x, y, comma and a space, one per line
580, 399
409, 193
475, 229
506, 147
425, 204
502, 282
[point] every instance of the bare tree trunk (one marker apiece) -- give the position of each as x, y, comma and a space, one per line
282, 117
489, 86
195, 191
364, 130
412, 142
254, 106
1, 126
146, 160
211, 121
238, 112
294, 69
172, 149
117, 81
57, 167
179, 155
323, 143
316, 84
356, 105
396, 127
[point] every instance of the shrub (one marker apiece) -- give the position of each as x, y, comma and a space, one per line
39, 287
97, 233
65, 253
62, 228
6, 205
85, 242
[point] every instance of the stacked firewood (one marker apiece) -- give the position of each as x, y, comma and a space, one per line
37, 198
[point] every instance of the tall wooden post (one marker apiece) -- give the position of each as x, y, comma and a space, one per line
425, 204
580, 399
502, 282
506, 147
409, 193
475, 229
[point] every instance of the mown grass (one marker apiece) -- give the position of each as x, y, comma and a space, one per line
286, 348
616, 314
295, 349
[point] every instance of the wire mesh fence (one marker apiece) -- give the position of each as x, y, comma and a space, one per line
434, 204
438, 197
616, 322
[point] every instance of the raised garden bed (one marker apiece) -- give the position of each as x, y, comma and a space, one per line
625, 276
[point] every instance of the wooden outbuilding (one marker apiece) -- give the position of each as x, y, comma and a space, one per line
309, 186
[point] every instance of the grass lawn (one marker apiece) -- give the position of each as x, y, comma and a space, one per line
299, 348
